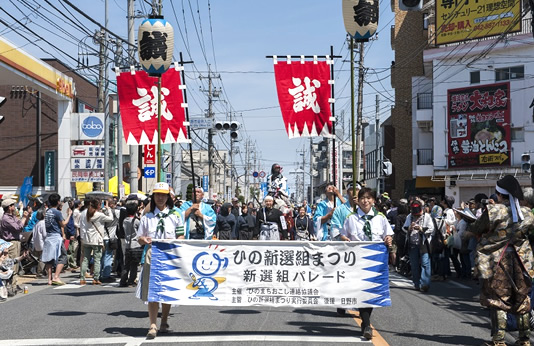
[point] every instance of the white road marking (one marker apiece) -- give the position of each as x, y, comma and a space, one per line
399, 281
457, 284
67, 286
136, 341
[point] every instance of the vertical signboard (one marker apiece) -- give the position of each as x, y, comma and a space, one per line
50, 170
478, 119
149, 156
205, 182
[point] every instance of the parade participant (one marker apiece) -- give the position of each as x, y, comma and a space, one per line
419, 228
342, 212
325, 210
199, 217
54, 252
235, 207
504, 260
270, 222
10, 229
92, 237
367, 224
161, 222
226, 223
304, 225
245, 223
277, 187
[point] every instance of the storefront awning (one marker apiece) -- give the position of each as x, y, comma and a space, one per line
427, 182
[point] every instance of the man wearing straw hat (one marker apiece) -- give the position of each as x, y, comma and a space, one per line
504, 260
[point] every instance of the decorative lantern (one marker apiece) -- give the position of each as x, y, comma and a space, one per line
361, 18
156, 44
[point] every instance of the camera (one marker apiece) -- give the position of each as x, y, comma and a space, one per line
484, 201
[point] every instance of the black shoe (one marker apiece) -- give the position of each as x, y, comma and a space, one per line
107, 280
424, 288
368, 333
341, 312
2, 299
123, 285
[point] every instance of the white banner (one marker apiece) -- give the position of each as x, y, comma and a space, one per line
270, 273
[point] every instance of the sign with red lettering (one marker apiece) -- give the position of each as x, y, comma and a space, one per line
479, 126
149, 154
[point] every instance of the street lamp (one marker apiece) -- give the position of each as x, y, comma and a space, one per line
156, 44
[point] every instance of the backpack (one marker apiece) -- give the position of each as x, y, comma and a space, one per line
437, 244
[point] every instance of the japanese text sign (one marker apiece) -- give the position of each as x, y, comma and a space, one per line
149, 156
270, 273
87, 151
304, 95
138, 98
479, 126
459, 20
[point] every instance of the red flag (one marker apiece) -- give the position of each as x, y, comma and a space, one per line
138, 98
304, 94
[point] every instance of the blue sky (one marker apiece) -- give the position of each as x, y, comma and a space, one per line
233, 37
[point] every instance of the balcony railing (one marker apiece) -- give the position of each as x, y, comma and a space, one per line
425, 157
424, 101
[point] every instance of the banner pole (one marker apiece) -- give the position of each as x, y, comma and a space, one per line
334, 159
182, 62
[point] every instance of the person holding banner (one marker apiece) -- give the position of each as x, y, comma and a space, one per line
325, 211
161, 222
270, 222
341, 213
367, 224
199, 217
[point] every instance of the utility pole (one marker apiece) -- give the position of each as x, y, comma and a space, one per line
134, 149
377, 142
360, 113
247, 170
211, 94
38, 140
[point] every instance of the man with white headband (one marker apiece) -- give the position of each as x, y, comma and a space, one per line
505, 261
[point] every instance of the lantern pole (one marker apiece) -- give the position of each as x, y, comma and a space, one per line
158, 155
352, 118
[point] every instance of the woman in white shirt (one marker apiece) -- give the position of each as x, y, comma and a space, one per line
92, 222
367, 224
162, 222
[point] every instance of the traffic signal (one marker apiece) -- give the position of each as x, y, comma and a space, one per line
525, 162
234, 126
387, 168
2, 101
410, 5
